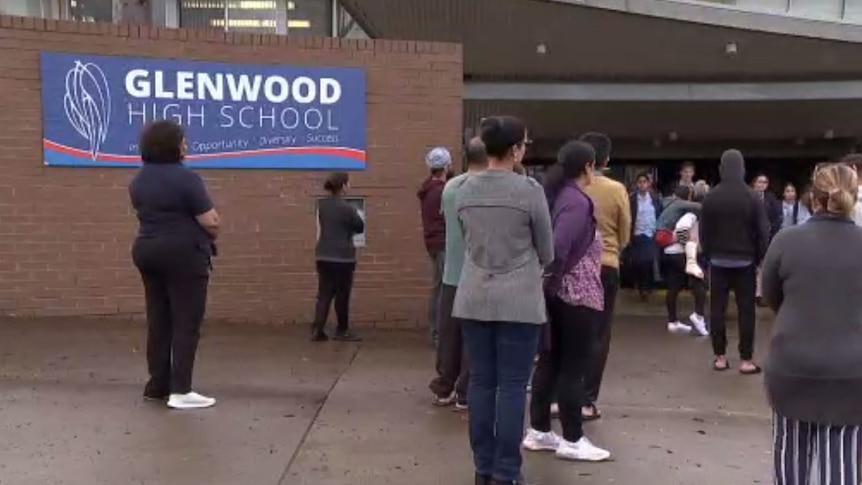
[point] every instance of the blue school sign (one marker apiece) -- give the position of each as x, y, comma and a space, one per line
235, 115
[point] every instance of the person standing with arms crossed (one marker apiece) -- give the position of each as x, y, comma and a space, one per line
453, 373
434, 228
614, 218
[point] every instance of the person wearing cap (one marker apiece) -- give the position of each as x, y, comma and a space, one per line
434, 226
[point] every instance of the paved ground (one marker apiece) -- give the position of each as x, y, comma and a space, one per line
334, 414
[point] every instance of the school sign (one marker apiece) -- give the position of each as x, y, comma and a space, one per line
235, 115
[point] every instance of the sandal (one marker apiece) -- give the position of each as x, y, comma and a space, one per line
751, 372
593, 416
716, 366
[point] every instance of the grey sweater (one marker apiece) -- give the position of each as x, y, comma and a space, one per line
339, 222
509, 241
812, 278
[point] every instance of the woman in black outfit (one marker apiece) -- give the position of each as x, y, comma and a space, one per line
336, 259
178, 225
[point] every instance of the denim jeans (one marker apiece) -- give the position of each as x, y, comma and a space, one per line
501, 358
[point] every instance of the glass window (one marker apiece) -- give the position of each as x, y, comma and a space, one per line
817, 9
309, 17
853, 11
30, 8
772, 6
348, 27
92, 10
292, 17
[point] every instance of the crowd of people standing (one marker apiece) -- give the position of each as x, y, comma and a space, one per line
539, 271
525, 280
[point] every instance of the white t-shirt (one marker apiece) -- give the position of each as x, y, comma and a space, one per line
688, 222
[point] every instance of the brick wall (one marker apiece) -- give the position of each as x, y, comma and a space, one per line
65, 233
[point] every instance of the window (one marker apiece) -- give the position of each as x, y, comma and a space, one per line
30, 8
346, 26
259, 16
93, 10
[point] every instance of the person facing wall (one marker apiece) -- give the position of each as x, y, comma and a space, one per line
814, 368
430, 194
178, 225
335, 256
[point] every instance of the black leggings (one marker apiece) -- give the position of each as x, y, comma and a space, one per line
335, 281
562, 368
677, 280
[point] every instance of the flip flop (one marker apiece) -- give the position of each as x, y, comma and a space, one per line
720, 368
751, 372
596, 414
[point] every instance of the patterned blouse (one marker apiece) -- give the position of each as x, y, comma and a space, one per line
582, 286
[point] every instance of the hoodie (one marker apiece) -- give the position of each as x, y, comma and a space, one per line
733, 223
433, 224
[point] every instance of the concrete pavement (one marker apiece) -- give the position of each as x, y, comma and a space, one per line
292, 413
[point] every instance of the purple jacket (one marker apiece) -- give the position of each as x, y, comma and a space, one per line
574, 231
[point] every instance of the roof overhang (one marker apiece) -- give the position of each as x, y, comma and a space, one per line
620, 40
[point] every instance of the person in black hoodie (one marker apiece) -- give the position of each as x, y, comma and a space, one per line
734, 236
336, 259
439, 161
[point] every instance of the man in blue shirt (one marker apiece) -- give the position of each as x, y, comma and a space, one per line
645, 205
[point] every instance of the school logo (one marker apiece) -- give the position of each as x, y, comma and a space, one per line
87, 103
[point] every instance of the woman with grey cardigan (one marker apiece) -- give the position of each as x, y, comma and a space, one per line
812, 278
508, 241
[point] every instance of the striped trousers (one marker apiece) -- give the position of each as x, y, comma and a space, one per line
803, 451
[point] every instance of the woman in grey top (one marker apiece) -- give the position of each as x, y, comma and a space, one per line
336, 259
508, 242
812, 278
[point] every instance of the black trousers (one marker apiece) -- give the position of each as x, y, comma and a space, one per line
176, 276
334, 281
678, 280
743, 283
601, 342
453, 367
561, 368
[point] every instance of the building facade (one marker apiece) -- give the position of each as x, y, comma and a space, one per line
65, 233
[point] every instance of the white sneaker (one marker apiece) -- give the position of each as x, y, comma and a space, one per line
555, 410
699, 324
678, 327
191, 400
583, 450
539, 441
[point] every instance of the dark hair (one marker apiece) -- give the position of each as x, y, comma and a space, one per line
475, 151
161, 142
683, 192
500, 134
335, 182
643, 175
854, 159
686, 165
758, 175
601, 144
573, 161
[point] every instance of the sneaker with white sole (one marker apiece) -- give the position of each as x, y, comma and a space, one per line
583, 450
191, 400
678, 327
442, 402
699, 324
540, 441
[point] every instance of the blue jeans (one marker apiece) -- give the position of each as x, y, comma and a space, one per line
501, 358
